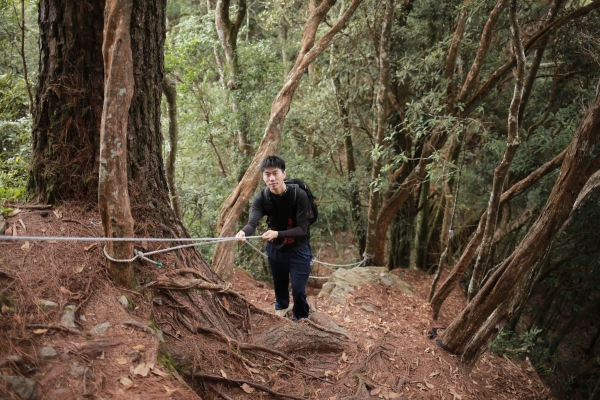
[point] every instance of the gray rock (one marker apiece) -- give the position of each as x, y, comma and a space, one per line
48, 353
343, 281
47, 305
158, 301
100, 328
68, 317
24, 387
83, 318
77, 371
124, 301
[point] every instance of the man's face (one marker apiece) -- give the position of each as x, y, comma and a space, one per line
273, 178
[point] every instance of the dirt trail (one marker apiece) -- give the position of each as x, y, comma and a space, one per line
390, 355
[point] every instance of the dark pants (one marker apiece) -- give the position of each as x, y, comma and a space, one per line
293, 264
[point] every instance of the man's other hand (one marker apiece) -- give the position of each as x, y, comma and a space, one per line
270, 235
241, 235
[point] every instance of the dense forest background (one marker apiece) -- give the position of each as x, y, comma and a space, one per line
333, 138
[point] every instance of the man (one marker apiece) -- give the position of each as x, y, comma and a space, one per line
288, 236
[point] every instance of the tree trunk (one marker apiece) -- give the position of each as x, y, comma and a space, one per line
171, 95
69, 97
469, 252
239, 197
512, 144
355, 203
422, 227
479, 323
382, 117
113, 196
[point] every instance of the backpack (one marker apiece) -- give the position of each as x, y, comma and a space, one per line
293, 184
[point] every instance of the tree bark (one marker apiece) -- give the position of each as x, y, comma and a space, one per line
113, 196
469, 252
512, 144
478, 324
239, 197
171, 95
422, 227
382, 116
69, 98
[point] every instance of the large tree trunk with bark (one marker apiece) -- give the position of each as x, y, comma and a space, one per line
241, 195
69, 97
500, 173
498, 300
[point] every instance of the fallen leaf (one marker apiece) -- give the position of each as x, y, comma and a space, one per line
158, 372
26, 246
40, 331
91, 246
18, 319
266, 297
169, 390
344, 357
247, 388
254, 370
375, 391
23, 225
142, 369
64, 290
14, 230
393, 395
223, 374
429, 385
329, 373
9, 231
139, 346
13, 212
431, 375
121, 361
78, 270
125, 381
58, 214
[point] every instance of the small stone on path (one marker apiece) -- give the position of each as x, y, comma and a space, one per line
100, 328
24, 387
47, 305
68, 317
48, 353
77, 371
124, 301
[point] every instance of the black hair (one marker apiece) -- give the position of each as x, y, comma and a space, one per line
272, 161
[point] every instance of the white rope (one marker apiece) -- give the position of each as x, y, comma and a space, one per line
139, 254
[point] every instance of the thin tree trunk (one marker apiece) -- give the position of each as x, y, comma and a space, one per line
537, 59
171, 94
512, 144
478, 324
113, 195
422, 227
382, 116
239, 197
23, 60
469, 252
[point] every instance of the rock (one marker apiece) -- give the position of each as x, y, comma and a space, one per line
369, 307
343, 281
77, 371
47, 305
68, 317
100, 328
24, 387
158, 301
124, 301
83, 318
3, 225
44, 214
48, 353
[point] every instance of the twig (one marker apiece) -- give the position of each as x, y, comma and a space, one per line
221, 394
378, 350
94, 234
28, 206
8, 287
53, 327
319, 327
217, 378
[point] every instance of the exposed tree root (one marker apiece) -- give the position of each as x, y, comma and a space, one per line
217, 378
293, 337
54, 327
152, 356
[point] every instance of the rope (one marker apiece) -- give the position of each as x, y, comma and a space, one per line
143, 256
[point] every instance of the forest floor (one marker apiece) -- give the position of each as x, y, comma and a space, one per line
389, 356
